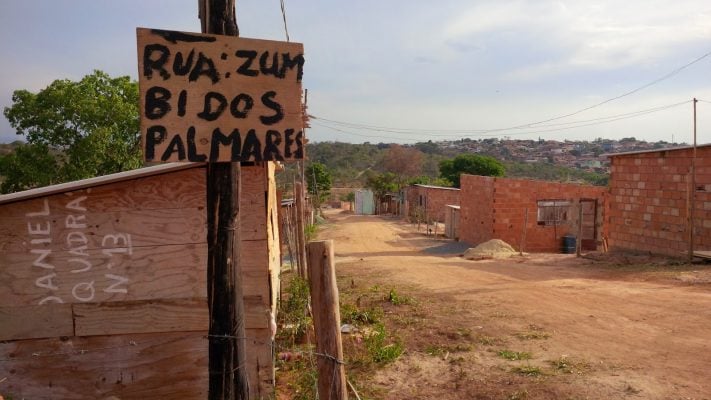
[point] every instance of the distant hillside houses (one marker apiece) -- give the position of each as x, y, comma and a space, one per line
589, 156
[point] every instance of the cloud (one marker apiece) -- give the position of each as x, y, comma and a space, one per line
599, 35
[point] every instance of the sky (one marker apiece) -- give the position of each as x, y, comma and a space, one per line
413, 70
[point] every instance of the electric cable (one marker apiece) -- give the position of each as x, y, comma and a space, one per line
532, 124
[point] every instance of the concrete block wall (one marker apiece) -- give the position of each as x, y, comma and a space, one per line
437, 198
476, 213
648, 210
512, 197
495, 208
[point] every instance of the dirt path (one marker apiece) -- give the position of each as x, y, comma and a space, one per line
593, 331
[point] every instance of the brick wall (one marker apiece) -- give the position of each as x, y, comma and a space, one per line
648, 204
476, 213
434, 201
497, 207
512, 197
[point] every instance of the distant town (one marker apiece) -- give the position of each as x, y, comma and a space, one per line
584, 155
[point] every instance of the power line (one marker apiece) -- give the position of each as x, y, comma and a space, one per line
360, 134
531, 124
283, 16
654, 82
455, 135
435, 132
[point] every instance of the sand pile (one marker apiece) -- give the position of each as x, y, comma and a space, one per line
494, 248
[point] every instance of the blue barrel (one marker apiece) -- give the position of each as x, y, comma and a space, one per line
568, 244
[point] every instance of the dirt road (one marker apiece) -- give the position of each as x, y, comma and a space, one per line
592, 330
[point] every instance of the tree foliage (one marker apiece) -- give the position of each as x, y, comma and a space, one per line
381, 184
319, 180
469, 164
80, 129
403, 162
350, 162
28, 166
547, 172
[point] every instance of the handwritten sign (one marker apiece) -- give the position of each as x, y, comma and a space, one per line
219, 98
77, 276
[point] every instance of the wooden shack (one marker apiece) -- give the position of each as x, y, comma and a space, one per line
103, 285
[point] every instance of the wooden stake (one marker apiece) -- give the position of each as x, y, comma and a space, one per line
227, 375
579, 239
295, 231
300, 229
327, 320
523, 233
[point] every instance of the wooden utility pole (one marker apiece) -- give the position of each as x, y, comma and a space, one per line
327, 320
692, 192
227, 358
579, 241
300, 229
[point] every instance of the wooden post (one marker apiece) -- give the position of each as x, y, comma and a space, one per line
692, 193
327, 320
300, 229
579, 239
523, 233
227, 355
295, 231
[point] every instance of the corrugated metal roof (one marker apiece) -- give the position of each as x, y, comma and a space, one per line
627, 153
97, 181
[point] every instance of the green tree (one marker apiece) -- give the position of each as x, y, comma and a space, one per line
28, 166
469, 164
319, 180
381, 184
88, 127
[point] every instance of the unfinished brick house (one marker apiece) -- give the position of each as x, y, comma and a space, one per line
497, 208
650, 193
428, 203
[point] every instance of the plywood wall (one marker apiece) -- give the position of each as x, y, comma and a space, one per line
103, 290
109, 282
260, 263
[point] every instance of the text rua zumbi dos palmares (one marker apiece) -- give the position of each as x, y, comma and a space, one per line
219, 98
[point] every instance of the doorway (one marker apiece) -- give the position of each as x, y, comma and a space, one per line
589, 232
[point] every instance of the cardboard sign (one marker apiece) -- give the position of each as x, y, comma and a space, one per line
218, 98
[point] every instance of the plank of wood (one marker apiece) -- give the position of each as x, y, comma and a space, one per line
35, 322
256, 283
253, 217
145, 316
152, 272
260, 362
109, 230
273, 237
144, 366
255, 255
256, 312
702, 254
177, 189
